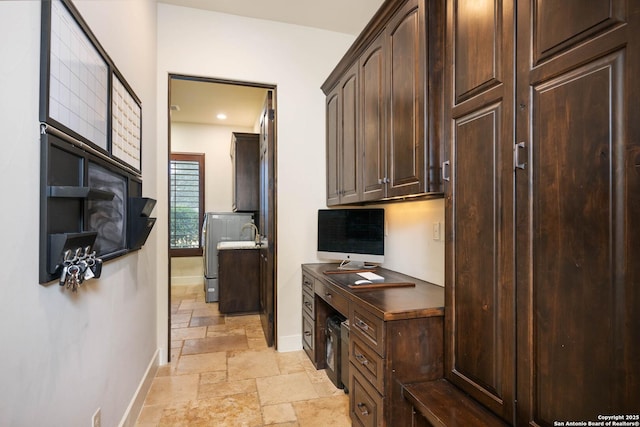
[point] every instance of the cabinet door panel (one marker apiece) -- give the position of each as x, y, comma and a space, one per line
572, 182
483, 252
478, 47
559, 26
373, 121
406, 93
349, 148
334, 126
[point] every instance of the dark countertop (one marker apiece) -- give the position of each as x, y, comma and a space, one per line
393, 303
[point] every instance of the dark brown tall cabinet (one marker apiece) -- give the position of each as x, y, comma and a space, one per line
542, 207
384, 106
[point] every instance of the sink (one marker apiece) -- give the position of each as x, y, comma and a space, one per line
244, 244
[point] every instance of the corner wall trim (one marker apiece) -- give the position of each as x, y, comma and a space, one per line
135, 406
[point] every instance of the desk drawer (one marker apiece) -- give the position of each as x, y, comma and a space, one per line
308, 305
307, 283
365, 405
308, 334
332, 297
369, 328
370, 364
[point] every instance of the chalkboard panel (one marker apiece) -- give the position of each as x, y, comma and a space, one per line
108, 217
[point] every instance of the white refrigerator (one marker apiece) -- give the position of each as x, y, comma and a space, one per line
220, 227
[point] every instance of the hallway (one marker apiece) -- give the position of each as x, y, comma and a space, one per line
223, 374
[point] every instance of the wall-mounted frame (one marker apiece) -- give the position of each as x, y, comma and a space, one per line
91, 145
82, 92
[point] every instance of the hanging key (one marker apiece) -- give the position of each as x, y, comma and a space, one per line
72, 277
65, 265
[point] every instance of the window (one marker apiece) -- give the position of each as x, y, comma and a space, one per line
186, 203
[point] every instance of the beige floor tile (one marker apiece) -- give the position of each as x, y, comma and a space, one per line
239, 410
227, 388
252, 364
207, 320
183, 317
188, 333
285, 388
213, 344
151, 414
278, 414
204, 362
290, 362
213, 377
225, 331
172, 389
329, 411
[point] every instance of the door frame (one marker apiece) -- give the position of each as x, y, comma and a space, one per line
272, 175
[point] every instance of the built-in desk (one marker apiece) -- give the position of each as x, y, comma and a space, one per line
396, 337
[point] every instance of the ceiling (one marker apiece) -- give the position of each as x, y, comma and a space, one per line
200, 102
343, 16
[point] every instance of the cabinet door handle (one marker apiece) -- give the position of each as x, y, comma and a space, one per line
446, 171
363, 360
363, 409
516, 156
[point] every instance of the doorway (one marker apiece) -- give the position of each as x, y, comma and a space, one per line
197, 104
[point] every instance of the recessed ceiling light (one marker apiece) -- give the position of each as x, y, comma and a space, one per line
221, 116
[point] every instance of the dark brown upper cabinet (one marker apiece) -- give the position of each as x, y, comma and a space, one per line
245, 171
384, 109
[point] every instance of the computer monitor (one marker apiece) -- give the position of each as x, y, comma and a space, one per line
353, 236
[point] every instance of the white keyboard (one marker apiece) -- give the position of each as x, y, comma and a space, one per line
370, 276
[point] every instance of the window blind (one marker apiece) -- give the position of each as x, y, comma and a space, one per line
185, 203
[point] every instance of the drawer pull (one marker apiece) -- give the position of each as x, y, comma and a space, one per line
363, 409
363, 360
307, 333
308, 304
328, 295
362, 325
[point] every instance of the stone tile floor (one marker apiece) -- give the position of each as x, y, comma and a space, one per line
223, 374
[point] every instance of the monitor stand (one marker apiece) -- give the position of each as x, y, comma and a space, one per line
354, 265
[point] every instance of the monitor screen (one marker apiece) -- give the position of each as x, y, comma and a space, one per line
352, 235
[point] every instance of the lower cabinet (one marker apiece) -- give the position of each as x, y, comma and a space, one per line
239, 280
396, 338
386, 354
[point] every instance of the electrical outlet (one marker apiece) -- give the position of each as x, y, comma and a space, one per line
436, 231
96, 420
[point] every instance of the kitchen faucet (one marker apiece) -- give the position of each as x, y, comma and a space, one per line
255, 230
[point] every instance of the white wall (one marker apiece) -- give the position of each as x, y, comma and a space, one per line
64, 355
297, 60
215, 143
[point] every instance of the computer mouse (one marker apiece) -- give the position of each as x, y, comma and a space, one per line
362, 281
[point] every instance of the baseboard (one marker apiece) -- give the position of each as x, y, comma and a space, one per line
290, 343
135, 406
